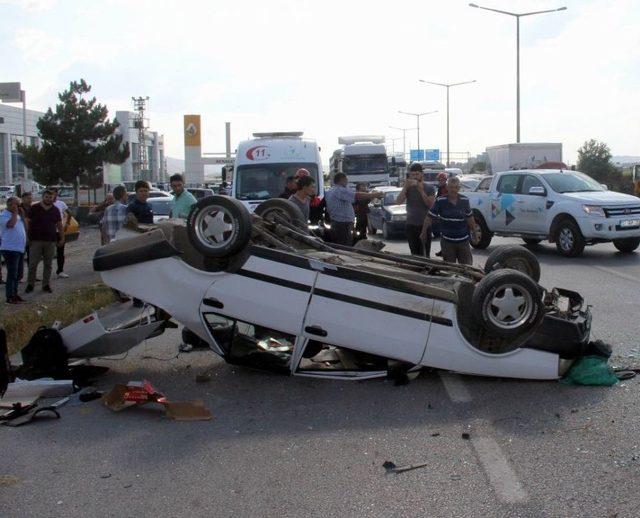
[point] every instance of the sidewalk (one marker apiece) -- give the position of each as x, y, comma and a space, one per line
78, 264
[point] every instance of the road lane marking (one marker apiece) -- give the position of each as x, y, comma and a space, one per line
502, 477
455, 387
616, 273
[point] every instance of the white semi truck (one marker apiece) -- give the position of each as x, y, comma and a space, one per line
363, 158
508, 157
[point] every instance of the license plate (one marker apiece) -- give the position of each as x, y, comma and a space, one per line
630, 223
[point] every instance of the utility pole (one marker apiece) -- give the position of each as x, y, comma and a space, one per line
140, 104
417, 116
404, 139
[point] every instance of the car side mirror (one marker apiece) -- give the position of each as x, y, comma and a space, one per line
537, 191
605, 186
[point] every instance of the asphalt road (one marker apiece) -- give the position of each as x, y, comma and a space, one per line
281, 446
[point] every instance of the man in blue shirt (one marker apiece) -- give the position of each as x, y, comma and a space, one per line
14, 241
456, 221
139, 206
340, 200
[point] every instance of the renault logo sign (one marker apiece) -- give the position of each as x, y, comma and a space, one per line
191, 129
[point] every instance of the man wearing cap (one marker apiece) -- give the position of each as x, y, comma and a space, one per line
419, 197
340, 199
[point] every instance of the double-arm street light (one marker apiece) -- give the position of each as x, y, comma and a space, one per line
404, 139
447, 86
417, 116
517, 17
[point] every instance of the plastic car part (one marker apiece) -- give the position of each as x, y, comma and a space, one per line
507, 303
219, 226
515, 257
285, 209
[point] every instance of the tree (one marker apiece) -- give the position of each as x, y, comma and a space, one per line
78, 138
594, 159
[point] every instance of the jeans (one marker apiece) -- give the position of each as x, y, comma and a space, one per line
40, 250
13, 265
416, 245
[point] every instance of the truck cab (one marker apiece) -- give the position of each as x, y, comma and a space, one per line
363, 158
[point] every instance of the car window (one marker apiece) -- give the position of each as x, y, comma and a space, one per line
530, 181
484, 185
508, 183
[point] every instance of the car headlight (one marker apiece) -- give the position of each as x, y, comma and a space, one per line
594, 210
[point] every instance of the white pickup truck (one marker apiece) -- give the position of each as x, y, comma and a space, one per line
568, 208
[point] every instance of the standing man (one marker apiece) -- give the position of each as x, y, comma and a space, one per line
442, 184
65, 215
139, 206
361, 208
456, 222
183, 200
25, 212
14, 240
420, 197
290, 188
306, 187
340, 199
114, 215
45, 230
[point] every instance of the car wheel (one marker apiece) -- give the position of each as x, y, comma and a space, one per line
288, 211
531, 241
627, 245
515, 257
371, 229
569, 239
219, 226
507, 304
482, 237
386, 233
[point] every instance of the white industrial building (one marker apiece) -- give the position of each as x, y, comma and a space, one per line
12, 168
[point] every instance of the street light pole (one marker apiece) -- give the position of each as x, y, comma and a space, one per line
417, 116
404, 139
447, 86
517, 17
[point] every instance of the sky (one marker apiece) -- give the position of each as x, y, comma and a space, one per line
332, 68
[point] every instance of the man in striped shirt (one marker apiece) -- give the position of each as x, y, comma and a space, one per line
456, 222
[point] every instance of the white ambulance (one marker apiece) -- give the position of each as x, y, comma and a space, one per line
264, 163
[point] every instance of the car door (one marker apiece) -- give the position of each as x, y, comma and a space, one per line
531, 208
503, 203
370, 313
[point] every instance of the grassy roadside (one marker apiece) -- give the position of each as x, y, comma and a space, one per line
68, 307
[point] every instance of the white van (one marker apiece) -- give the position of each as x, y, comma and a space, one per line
264, 163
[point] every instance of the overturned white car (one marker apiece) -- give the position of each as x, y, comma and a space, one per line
265, 293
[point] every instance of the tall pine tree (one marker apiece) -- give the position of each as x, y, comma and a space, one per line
78, 138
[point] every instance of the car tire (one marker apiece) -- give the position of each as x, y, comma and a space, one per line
483, 236
514, 257
507, 304
531, 241
386, 233
569, 240
627, 245
285, 209
371, 230
219, 226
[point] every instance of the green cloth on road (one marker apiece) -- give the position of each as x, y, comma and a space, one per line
182, 204
590, 370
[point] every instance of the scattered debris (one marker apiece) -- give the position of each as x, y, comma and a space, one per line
43, 387
90, 395
466, 436
203, 378
107, 475
392, 468
456, 477
9, 480
137, 393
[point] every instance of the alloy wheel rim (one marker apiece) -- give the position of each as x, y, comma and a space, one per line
566, 239
215, 227
509, 306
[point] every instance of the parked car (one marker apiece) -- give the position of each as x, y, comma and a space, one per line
568, 208
152, 194
387, 215
161, 206
469, 182
6, 191
266, 294
200, 192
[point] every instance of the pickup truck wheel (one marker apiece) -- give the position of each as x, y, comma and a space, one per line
627, 245
569, 239
515, 257
371, 229
386, 233
287, 210
483, 236
219, 226
531, 241
507, 303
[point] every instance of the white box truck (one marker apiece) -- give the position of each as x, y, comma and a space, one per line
532, 155
363, 158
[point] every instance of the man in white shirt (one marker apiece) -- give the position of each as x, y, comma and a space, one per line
14, 240
65, 214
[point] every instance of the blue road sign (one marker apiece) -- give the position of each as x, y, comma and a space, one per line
416, 154
433, 154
